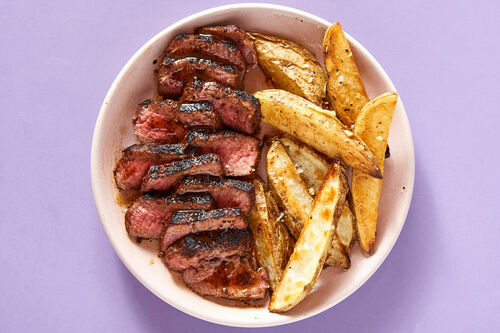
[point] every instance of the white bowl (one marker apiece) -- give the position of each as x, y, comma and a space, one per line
113, 132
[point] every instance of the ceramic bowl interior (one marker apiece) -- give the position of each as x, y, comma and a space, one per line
113, 132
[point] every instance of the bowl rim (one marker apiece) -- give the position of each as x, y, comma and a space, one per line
96, 185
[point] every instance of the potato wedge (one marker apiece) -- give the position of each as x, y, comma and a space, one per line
281, 253
337, 255
288, 188
315, 168
309, 254
345, 90
310, 165
316, 127
273, 243
346, 226
291, 67
372, 125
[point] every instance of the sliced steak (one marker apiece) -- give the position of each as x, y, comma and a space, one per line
186, 222
163, 177
239, 153
236, 35
235, 278
227, 193
168, 121
137, 159
173, 74
207, 47
147, 214
238, 110
190, 250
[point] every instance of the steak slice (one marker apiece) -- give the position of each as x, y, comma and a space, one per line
238, 110
173, 74
137, 159
236, 278
239, 153
190, 250
236, 35
163, 177
207, 47
227, 193
185, 222
147, 214
168, 121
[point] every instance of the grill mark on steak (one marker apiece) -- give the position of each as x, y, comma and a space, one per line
138, 158
236, 278
146, 217
237, 109
236, 35
226, 192
190, 250
163, 177
239, 153
174, 74
185, 222
168, 121
207, 47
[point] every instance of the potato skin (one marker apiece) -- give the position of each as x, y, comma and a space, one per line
288, 188
345, 90
291, 67
273, 243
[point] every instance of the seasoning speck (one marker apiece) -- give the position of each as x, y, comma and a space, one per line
282, 215
151, 261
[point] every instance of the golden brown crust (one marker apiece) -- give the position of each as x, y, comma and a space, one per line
372, 126
345, 90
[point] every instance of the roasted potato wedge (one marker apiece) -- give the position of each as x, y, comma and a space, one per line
283, 252
288, 188
310, 165
273, 243
291, 67
372, 125
345, 90
337, 254
316, 127
295, 194
309, 254
346, 228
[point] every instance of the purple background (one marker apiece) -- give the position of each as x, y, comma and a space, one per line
60, 273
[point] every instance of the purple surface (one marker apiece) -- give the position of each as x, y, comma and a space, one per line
58, 270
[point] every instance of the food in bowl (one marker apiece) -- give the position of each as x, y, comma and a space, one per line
194, 172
